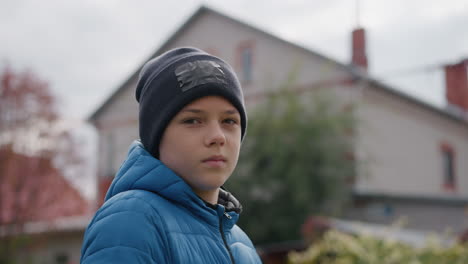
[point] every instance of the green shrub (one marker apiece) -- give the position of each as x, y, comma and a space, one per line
340, 248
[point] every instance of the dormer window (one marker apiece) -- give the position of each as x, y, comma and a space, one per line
245, 58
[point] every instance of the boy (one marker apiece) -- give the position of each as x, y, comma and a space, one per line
166, 204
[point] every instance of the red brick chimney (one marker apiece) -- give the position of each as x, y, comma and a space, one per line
359, 57
456, 85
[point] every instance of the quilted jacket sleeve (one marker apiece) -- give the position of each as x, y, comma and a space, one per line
125, 230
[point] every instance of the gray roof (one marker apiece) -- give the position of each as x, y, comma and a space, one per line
443, 200
355, 72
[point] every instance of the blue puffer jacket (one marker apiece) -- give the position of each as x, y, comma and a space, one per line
152, 216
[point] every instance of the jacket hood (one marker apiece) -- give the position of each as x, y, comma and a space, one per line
141, 171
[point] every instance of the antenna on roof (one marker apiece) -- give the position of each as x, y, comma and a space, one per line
357, 13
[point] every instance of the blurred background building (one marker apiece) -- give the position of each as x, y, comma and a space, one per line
413, 152
43, 218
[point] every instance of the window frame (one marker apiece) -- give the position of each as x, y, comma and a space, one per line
449, 176
246, 70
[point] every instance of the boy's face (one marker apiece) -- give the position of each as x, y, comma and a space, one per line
201, 143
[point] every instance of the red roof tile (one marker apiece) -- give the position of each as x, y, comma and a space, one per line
32, 189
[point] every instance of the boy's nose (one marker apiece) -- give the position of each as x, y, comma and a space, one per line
215, 136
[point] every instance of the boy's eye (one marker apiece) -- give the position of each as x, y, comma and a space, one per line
230, 121
191, 121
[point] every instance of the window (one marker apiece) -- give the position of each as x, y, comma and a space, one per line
245, 59
448, 162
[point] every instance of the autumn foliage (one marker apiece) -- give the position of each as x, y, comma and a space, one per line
34, 154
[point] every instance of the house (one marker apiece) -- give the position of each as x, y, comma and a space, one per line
414, 151
42, 216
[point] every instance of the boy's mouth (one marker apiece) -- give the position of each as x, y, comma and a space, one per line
215, 161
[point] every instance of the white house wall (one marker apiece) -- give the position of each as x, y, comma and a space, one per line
48, 247
401, 142
117, 128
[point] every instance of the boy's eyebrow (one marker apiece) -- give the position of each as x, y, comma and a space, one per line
198, 111
231, 112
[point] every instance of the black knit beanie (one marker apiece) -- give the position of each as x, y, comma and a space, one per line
174, 79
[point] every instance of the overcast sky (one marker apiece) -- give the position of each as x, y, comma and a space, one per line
85, 49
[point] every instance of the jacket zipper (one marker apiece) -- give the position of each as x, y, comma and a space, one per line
224, 238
